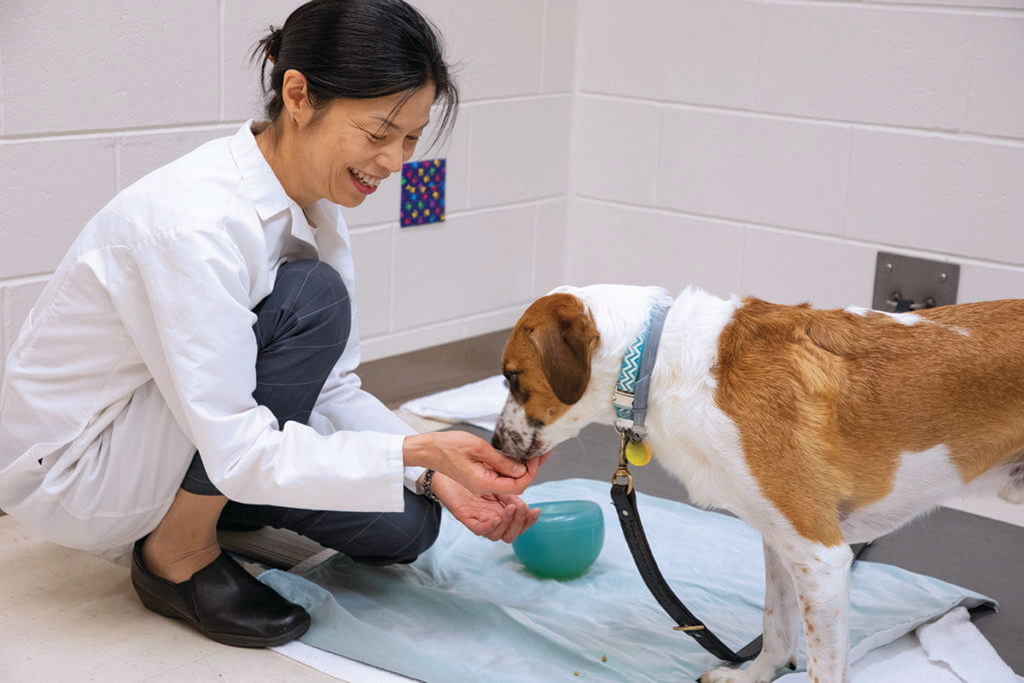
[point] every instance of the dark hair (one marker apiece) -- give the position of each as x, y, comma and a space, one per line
357, 49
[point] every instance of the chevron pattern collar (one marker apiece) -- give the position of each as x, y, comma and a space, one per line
630, 398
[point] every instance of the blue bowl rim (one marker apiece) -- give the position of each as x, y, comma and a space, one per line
554, 511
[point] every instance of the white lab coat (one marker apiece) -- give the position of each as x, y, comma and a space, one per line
140, 350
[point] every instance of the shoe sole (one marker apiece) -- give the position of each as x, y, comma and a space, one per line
155, 604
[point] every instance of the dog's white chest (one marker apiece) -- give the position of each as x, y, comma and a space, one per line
714, 477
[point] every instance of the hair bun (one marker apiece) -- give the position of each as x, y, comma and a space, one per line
272, 43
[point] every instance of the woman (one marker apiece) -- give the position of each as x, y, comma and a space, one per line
191, 360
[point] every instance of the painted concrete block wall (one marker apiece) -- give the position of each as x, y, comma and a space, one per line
772, 147
95, 95
757, 147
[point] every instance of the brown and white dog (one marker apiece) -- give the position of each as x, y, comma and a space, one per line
818, 428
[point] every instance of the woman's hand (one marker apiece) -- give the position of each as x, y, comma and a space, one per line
471, 462
495, 516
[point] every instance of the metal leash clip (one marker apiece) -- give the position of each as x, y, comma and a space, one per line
623, 470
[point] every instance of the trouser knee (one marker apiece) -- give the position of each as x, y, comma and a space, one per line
310, 300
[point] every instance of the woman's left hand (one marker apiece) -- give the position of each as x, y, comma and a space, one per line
495, 516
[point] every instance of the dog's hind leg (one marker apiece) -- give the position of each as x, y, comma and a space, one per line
781, 627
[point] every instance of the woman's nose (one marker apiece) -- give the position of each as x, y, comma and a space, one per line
391, 157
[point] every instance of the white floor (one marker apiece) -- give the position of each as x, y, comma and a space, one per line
68, 616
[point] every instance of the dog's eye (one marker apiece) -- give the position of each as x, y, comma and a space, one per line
512, 381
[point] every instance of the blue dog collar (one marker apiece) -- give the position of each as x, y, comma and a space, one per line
630, 398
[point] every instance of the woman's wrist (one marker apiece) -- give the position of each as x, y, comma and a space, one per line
419, 450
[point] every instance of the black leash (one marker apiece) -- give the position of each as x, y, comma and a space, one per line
624, 499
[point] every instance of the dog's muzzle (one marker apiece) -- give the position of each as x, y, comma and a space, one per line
512, 444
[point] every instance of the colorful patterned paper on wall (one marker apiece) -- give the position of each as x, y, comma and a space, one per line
423, 192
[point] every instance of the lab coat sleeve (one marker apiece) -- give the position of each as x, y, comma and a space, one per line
185, 300
344, 405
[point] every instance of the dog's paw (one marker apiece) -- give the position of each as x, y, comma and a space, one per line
725, 674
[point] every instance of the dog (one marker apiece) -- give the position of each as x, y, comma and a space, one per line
819, 428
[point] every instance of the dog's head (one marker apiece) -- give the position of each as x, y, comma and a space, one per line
547, 364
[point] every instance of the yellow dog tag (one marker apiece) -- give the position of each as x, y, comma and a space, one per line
637, 453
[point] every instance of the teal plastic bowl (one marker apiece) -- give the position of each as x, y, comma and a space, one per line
564, 541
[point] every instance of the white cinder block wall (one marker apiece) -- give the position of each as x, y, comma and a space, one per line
771, 147
94, 95
756, 147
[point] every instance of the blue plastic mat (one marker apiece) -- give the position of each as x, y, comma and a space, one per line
467, 610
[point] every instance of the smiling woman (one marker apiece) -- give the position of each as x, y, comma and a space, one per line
192, 360
350, 91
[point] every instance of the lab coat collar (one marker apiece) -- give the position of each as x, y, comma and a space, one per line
265, 190
269, 197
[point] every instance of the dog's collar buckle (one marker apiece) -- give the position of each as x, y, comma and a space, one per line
622, 399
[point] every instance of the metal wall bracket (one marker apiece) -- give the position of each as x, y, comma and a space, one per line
905, 283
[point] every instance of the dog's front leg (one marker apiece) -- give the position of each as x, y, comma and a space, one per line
821, 575
781, 626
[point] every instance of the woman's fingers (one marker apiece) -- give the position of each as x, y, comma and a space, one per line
501, 463
498, 532
515, 525
472, 462
531, 517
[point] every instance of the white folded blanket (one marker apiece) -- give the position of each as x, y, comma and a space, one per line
948, 650
477, 403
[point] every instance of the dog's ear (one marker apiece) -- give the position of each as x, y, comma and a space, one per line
565, 338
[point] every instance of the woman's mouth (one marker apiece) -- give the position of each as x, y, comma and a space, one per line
366, 184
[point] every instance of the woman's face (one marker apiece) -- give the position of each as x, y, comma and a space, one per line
355, 146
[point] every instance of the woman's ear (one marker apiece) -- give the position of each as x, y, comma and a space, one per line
295, 94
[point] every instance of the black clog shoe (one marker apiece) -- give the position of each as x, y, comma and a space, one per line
223, 602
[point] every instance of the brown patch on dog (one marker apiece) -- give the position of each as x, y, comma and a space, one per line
549, 355
827, 401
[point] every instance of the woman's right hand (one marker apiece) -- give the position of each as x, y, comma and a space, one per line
470, 461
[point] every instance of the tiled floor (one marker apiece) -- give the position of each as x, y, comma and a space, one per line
68, 616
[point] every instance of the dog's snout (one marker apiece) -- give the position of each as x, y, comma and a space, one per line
496, 440
510, 444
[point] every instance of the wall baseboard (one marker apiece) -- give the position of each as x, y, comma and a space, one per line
397, 379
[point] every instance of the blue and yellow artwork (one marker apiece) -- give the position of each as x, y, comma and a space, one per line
422, 192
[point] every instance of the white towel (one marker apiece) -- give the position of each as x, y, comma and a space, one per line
955, 641
477, 403
948, 650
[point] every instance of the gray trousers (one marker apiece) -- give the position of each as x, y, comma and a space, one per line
301, 330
